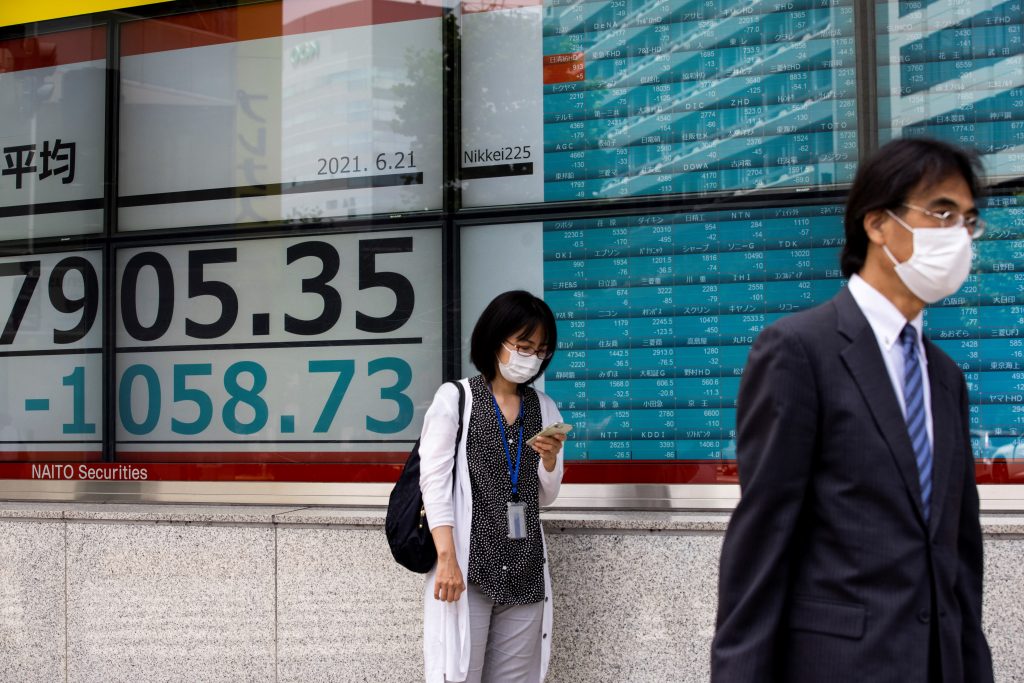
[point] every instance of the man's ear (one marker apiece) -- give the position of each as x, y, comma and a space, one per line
874, 225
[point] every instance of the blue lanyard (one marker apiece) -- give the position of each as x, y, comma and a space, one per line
512, 474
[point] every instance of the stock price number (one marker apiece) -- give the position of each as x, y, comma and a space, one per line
65, 295
51, 361
236, 398
313, 337
316, 312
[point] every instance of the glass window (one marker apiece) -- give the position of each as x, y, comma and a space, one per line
952, 70
982, 328
52, 103
51, 358
234, 115
260, 353
668, 174
656, 314
611, 99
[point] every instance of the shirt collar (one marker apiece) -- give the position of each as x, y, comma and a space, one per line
885, 319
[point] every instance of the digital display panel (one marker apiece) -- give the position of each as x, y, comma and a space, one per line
954, 70
51, 361
656, 315
281, 358
313, 349
653, 97
52, 104
982, 328
276, 111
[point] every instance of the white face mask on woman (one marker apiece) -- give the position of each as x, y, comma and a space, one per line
940, 263
519, 368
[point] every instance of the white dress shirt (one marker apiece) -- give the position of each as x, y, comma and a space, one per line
887, 322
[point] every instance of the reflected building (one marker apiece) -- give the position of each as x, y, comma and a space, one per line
954, 70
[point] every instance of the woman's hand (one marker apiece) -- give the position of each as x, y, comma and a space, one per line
448, 583
547, 447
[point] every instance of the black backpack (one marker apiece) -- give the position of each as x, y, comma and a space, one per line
406, 523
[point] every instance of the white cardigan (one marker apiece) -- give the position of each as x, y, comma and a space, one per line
446, 645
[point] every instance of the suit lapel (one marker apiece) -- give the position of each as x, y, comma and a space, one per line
945, 422
864, 360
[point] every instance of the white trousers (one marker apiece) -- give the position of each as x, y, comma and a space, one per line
504, 639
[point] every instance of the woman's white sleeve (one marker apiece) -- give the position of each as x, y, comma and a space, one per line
437, 456
550, 482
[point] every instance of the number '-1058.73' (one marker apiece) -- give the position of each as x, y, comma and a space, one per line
142, 381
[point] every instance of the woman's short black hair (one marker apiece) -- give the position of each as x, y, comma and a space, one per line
507, 314
886, 179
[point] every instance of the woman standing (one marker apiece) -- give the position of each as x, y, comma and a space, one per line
487, 601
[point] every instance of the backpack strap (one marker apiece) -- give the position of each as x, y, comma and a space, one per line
458, 435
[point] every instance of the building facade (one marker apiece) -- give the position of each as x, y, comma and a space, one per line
244, 242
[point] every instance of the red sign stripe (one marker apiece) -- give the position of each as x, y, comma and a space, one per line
266, 20
235, 472
178, 467
627, 472
53, 49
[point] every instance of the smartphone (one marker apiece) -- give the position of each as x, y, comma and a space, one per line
553, 428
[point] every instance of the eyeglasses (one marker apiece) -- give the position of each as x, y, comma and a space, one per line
954, 219
527, 351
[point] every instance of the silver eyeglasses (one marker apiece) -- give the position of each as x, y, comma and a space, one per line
954, 219
527, 351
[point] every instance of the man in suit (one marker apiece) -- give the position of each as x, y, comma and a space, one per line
855, 552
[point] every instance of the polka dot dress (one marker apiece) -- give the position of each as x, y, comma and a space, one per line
510, 572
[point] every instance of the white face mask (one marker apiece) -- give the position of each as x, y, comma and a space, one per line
940, 263
519, 369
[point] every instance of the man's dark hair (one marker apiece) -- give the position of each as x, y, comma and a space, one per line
885, 180
506, 315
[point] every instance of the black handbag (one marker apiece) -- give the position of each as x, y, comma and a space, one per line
406, 523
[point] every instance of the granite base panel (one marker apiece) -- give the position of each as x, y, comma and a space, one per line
32, 601
178, 593
346, 610
158, 603
1003, 609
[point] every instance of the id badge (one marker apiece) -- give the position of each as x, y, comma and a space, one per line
517, 521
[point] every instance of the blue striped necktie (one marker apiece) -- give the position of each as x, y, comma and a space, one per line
917, 427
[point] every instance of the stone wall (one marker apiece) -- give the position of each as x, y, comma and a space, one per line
139, 593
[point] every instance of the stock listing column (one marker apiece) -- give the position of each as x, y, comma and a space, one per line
744, 268
611, 284
565, 290
699, 273
656, 365
609, 300
981, 327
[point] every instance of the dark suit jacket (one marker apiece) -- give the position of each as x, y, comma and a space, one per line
829, 569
